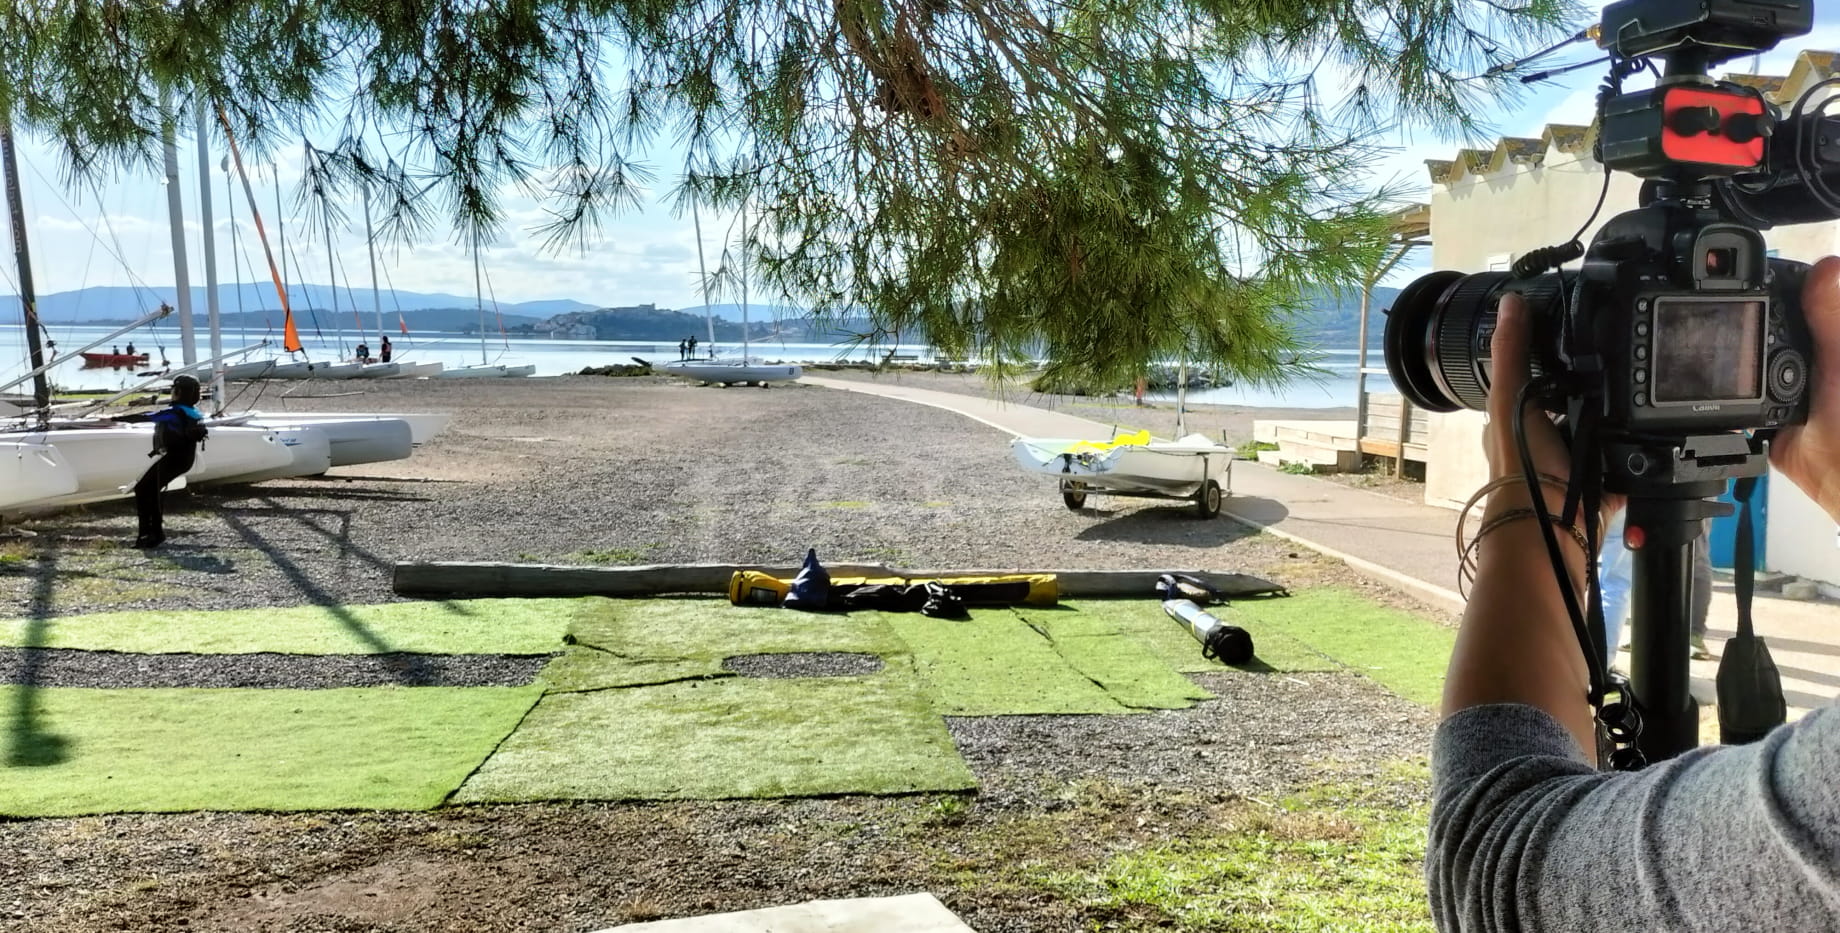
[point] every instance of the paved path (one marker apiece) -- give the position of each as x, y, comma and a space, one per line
1411, 545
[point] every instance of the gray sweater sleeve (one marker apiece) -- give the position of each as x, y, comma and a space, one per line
1527, 836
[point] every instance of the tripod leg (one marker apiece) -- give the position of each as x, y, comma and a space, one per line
1658, 672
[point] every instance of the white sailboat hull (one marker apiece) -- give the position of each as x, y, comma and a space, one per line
490, 371
419, 370
730, 372
423, 426
309, 453
105, 461
32, 471
353, 439
229, 453
1174, 468
379, 371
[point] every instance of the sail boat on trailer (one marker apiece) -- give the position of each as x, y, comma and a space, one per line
726, 372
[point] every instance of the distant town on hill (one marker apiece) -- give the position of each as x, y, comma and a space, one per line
1335, 324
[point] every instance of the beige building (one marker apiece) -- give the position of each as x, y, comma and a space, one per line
1490, 206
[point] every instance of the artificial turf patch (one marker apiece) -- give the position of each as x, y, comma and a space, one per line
995, 664
660, 629
729, 737
1404, 653
77, 751
470, 626
1314, 630
1167, 640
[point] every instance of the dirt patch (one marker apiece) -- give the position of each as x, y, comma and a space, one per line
804, 664
64, 667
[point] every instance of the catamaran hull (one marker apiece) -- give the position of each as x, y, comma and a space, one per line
309, 453
726, 373
105, 461
355, 439
229, 453
31, 471
494, 371
379, 371
423, 426
419, 370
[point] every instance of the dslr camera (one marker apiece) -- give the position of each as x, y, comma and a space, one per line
1677, 322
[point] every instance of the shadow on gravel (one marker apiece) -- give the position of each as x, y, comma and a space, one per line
405, 674
30, 744
340, 493
1172, 525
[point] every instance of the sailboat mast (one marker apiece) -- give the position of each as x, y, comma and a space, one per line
703, 277
332, 275
22, 256
370, 243
280, 238
479, 300
175, 219
202, 141
746, 335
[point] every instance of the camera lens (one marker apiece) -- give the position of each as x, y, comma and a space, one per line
1439, 328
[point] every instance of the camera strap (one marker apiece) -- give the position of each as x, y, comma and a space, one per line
1749, 686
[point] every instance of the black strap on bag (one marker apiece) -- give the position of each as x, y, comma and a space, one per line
1749, 685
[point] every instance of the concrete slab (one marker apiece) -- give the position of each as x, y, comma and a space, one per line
909, 913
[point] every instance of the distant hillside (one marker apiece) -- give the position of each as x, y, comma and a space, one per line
120, 303
427, 320
1336, 323
646, 322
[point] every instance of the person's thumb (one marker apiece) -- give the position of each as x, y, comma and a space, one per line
1821, 308
1508, 356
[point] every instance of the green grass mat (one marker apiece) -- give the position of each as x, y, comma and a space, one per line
475, 626
76, 751
1404, 653
675, 629
997, 665
732, 737
1314, 630
1168, 640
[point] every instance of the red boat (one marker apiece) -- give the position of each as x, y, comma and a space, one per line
114, 360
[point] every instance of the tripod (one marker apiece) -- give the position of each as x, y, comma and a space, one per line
1671, 484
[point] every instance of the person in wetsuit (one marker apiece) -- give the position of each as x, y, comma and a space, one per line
176, 433
385, 351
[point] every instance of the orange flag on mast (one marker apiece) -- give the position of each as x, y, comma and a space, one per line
290, 337
402, 323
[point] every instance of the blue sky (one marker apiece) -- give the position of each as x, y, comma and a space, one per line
644, 256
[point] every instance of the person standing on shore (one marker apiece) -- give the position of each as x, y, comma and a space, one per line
683, 350
176, 433
692, 351
383, 352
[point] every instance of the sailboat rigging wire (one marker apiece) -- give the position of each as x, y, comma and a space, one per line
311, 311
136, 282
500, 314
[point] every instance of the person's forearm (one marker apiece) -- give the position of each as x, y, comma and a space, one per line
1517, 644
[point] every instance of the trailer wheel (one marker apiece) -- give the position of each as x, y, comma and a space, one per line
1073, 495
1207, 500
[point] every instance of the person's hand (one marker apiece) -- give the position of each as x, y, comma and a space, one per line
1551, 456
1511, 371
1809, 453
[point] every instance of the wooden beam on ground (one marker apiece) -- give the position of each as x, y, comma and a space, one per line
494, 579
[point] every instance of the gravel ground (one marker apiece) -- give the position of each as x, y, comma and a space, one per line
804, 664
613, 471
632, 471
63, 667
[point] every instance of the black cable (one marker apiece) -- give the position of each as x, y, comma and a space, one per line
1530, 473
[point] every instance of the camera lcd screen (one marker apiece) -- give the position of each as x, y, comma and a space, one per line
1708, 351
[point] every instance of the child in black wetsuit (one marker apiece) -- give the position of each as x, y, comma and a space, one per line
176, 433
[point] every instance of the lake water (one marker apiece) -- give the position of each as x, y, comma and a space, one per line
556, 357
